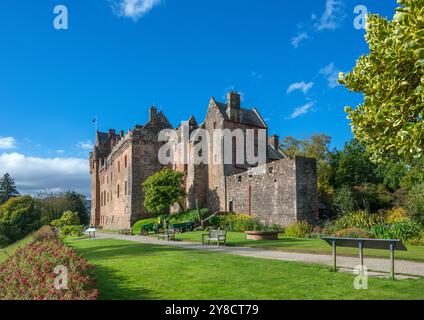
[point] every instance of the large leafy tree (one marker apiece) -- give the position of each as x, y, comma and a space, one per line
19, 216
389, 123
7, 188
162, 190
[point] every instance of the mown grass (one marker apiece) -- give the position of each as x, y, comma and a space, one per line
9, 250
305, 245
128, 270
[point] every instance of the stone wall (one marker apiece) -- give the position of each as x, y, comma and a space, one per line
275, 197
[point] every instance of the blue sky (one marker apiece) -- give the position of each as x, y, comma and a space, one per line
118, 57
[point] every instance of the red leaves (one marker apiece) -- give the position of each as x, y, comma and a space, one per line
29, 274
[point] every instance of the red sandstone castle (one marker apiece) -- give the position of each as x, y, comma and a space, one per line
120, 162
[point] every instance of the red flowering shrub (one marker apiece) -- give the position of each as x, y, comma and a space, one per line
29, 274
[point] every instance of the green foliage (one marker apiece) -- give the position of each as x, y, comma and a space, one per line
136, 228
396, 215
373, 197
71, 231
390, 120
4, 240
162, 190
54, 205
415, 204
194, 216
353, 166
407, 231
7, 188
353, 232
19, 217
237, 222
68, 218
344, 201
298, 230
358, 219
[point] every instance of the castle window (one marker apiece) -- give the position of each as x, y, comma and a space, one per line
239, 179
107, 197
126, 161
126, 187
271, 170
231, 206
117, 191
214, 125
119, 166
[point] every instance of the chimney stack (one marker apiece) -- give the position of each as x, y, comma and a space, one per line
274, 141
152, 113
233, 100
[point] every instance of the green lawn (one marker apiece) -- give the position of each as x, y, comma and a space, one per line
128, 270
304, 245
9, 250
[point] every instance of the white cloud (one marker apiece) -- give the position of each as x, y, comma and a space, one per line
7, 143
134, 9
301, 110
86, 145
299, 38
33, 174
332, 18
333, 15
332, 75
302, 86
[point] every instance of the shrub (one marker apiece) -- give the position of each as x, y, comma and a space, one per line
353, 233
45, 233
68, 218
415, 204
18, 218
237, 222
358, 219
396, 215
344, 201
29, 274
190, 216
136, 228
71, 231
298, 230
407, 231
4, 240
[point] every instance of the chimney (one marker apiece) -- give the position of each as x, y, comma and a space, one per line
274, 141
112, 137
233, 100
122, 134
152, 113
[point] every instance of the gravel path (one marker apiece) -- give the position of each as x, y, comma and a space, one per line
376, 266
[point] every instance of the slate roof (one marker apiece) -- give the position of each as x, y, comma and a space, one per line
246, 116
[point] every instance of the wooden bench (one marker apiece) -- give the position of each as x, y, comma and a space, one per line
362, 244
217, 236
168, 234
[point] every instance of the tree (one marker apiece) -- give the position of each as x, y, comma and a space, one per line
389, 123
68, 218
162, 190
76, 202
19, 216
344, 201
354, 166
7, 188
415, 204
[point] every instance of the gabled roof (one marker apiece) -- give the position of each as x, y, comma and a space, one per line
246, 116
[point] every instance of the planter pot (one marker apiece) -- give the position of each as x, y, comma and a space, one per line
262, 235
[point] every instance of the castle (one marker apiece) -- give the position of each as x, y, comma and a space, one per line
284, 193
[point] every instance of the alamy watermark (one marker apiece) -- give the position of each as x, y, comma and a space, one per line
60, 21
61, 281
361, 279
218, 146
360, 21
